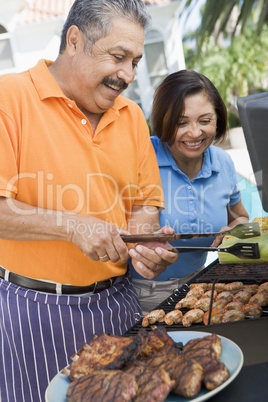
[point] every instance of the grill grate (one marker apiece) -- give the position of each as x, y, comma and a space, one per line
215, 272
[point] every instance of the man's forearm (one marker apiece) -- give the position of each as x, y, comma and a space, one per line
144, 219
20, 221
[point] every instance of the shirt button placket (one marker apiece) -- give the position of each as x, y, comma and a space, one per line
192, 211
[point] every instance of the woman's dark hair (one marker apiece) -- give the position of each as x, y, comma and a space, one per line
169, 104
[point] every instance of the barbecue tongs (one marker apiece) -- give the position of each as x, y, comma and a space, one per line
240, 250
241, 231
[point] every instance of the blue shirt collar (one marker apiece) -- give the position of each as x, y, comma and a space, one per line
210, 162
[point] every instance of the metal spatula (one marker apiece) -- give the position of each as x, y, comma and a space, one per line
240, 250
241, 231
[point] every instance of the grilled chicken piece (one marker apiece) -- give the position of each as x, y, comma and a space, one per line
152, 317
203, 285
260, 298
173, 317
215, 318
252, 289
196, 291
233, 315
225, 295
243, 296
153, 341
203, 303
103, 386
219, 287
194, 316
263, 287
104, 352
207, 352
153, 384
234, 305
233, 287
208, 294
252, 310
186, 373
187, 302
219, 304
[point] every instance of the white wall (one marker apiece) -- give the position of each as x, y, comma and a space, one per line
33, 41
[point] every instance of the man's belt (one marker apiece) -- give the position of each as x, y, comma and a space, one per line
50, 287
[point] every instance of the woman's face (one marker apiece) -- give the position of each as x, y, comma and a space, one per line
196, 129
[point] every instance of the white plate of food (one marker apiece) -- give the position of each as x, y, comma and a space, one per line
231, 356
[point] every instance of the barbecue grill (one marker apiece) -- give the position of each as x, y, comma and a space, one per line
214, 273
251, 333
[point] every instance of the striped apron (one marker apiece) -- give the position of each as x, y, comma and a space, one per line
40, 331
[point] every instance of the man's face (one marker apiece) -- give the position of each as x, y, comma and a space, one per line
98, 77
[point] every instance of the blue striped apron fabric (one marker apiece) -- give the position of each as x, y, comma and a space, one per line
39, 332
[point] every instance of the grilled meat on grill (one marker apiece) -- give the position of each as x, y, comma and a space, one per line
233, 287
103, 386
209, 292
152, 317
203, 285
194, 316
260, 298
207, 351
173, 317
233, 315
215, 317
186, 302
252, 310
243, 296
196, 291
234, 305
219, 304
225, 295
252, 289
219, 287
203, 303
263, 286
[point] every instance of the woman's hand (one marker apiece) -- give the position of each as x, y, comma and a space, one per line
151, 259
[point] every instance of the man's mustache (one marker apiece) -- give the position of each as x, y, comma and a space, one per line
118, 83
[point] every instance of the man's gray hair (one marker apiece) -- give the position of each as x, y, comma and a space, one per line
94, 18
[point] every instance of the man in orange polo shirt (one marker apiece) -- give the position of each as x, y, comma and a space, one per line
77, 171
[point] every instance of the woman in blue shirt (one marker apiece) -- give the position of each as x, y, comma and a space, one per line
199, 180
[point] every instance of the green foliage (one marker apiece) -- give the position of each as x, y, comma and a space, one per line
218, 17
237, 65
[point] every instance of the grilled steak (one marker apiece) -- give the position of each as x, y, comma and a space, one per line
103, 386
206, 347
207, 352
104, 352
154, 385
153, 341
186, 373
144, 368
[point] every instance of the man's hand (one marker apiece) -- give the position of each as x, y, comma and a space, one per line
97, 239
151, 262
